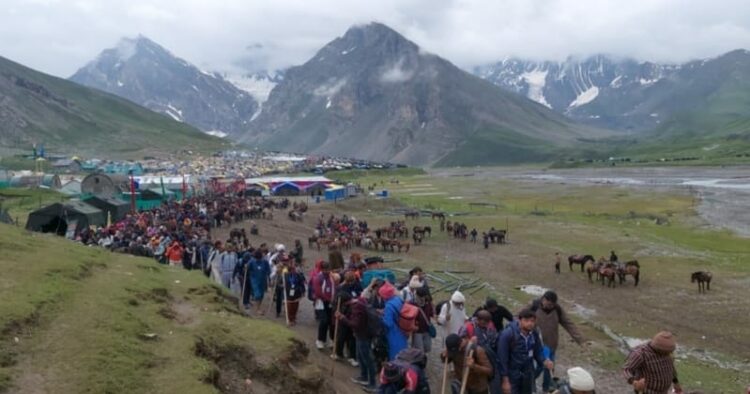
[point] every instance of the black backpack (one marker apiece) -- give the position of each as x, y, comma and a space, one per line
375, 326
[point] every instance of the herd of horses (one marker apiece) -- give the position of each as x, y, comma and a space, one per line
612, 271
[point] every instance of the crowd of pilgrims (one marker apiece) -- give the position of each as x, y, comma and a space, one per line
368, 319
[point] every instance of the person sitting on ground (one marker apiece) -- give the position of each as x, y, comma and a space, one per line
549, 317
498, 313
579, 381
464, 354
518, 348
452, 315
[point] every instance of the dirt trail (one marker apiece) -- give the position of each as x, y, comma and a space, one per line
437, 249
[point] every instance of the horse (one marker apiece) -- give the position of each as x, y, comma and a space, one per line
411, 214
438, 215
593, 267
630, 268
608, 272
428, 231
295, 216
313, 241
497, 236
579, 259
400, 245
417, 237
704, 280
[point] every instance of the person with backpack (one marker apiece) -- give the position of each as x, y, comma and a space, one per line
498, 313
482, 330
346, 340
549, 317
452, 314
422, 338
406, 374
357, 320
518, 348
323, 286
294, 283
395, 337
470, 362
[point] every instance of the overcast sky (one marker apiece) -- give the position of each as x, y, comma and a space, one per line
59, 36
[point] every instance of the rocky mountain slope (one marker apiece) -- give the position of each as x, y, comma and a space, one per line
144, 72
376, 95
626, 95
38, 108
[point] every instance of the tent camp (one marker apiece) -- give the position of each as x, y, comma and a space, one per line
286, 189
105, 185
110, 206
65, 218
315, 189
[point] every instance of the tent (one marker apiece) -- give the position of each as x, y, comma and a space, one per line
335, 193
286, 189
315, 189
110, 206
105, 185
65, 218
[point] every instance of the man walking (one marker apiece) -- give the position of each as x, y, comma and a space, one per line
518, 347
452, 314
323, 287
549, 317
498, 313
357, 320
468, 360
650, 368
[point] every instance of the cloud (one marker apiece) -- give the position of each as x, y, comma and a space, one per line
55, 37
396, 73
330, 88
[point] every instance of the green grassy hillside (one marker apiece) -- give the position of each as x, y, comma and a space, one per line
72, 118
78, 319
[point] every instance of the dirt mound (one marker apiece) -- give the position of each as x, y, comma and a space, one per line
238, 370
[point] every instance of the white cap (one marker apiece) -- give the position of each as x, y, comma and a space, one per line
580, 379
458, 298
415, 283
280, 248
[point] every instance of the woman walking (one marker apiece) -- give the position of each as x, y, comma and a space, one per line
259, 273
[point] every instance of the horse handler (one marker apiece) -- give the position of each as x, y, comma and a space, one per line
650, 367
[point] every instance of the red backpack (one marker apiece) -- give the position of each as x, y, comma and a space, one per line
407, 318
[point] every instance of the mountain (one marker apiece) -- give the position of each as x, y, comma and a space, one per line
627, 95
143, 72
65, 116
374, 94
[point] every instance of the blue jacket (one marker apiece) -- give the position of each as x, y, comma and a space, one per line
516, 354
397, 341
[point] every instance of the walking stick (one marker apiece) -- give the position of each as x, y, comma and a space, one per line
283, 281
335, 335
466, 374
445, 374
273, 298
244, 286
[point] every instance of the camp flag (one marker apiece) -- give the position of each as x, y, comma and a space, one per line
163, 191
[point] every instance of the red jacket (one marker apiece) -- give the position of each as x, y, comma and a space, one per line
323, 287
357, 319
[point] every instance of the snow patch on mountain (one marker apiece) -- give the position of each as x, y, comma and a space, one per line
330, 88
585, 97
617, 82
217, 133
536, 80
258, 87
126, 48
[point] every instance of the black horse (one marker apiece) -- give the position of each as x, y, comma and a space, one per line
579, 259
704, 280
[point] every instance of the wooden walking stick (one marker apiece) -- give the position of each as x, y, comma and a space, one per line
273, 298
466, 374
283, 281
335, 335
445, 374
244, 286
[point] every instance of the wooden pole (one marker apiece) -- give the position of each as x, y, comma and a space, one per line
244, 285
466, 374
283, 281
335, 335
445, 374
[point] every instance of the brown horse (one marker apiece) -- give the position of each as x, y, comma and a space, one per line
704, 280
593, 268
579, 259
439, 215
630, 268
608, 272
411, 214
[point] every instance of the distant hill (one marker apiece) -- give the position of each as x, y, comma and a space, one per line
376, 95
142, 71
38, 108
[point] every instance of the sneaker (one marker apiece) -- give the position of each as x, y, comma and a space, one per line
329, 345
320, 345
353, 363
370, 389
360, 381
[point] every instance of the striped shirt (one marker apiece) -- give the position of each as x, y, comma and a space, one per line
658, 369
